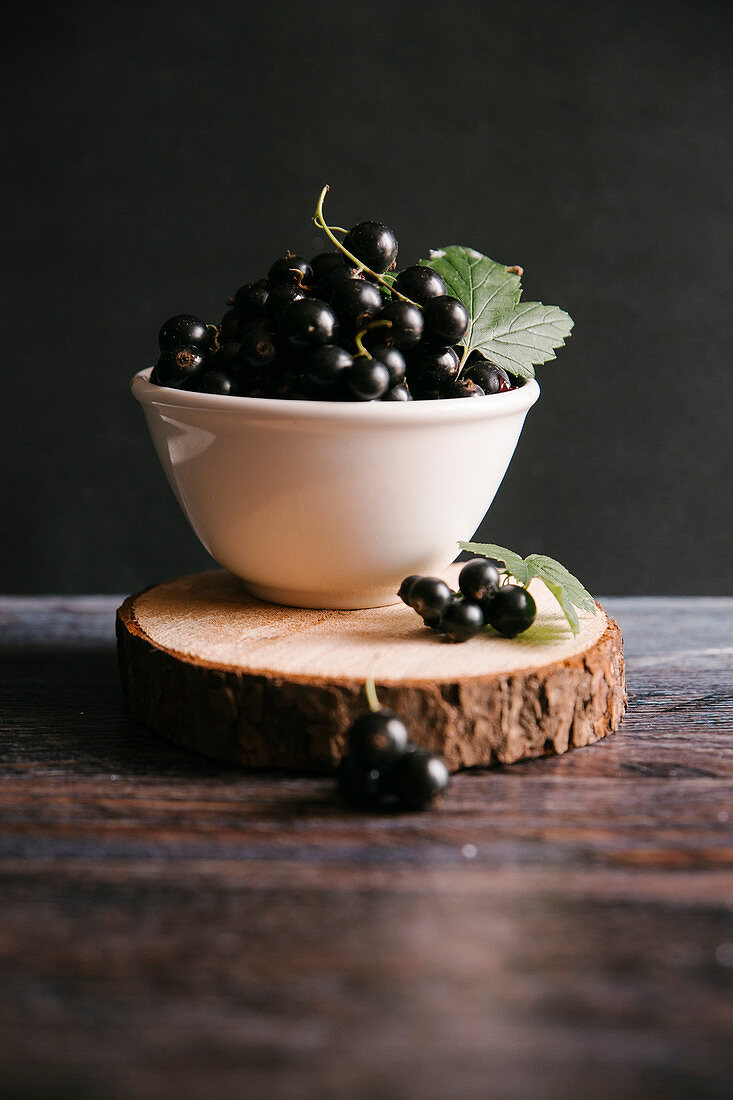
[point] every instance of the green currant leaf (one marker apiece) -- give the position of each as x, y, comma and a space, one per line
552, 572
566, 604
515, 565
515, 335
523, 337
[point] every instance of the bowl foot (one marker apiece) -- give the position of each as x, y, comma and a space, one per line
348, 600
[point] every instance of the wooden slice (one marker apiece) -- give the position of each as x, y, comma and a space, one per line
209, 666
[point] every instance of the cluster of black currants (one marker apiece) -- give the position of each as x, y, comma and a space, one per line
327, 329
482, 600
384, 770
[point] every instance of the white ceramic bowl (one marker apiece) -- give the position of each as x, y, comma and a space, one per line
321, 504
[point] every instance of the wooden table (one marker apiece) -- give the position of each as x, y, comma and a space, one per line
171, 927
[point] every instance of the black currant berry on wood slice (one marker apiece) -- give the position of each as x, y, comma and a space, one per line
211, 667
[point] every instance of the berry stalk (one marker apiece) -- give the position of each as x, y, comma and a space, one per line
320, 221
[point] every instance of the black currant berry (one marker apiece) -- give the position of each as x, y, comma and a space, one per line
355, 302
360, 788
373, 244
229, 327
418, 779
419, 283
368, 379
333, 278
178, 366
511, 611
479, 579
217, 381
308, 323
488, 376
394, 361
249, 302
431, 370
325, 367
376, 738
290, 270
463, 387
446, 319
325, 262
226, 358
404, 589
278, 301
398, 393
462, 620
405, 326
256, 351
286, 385
185, 331
430, 597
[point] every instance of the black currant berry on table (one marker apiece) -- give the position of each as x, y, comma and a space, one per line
355, 302
178, 366
360, 787
404, 589
403, 328
462, 620
308, 323
374, 773
290, 270
377, 737
418, 778
326, 367
446, 319
373, 244
511, 611
368, 379
491, 378
479, 579
185, 330
430, 597
419, 283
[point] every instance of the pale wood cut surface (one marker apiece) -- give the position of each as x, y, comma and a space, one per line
171, 926
210, 617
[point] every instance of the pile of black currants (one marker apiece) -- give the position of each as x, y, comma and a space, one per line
384, 770
483, 600
332, 329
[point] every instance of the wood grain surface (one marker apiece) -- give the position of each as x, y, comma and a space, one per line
211, 667
174, 927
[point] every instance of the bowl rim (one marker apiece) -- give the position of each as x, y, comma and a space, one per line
376, 412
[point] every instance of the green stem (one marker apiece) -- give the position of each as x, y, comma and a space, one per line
363, 353
371, 689
321, 223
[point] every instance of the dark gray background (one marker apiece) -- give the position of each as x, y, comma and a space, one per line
160, 154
